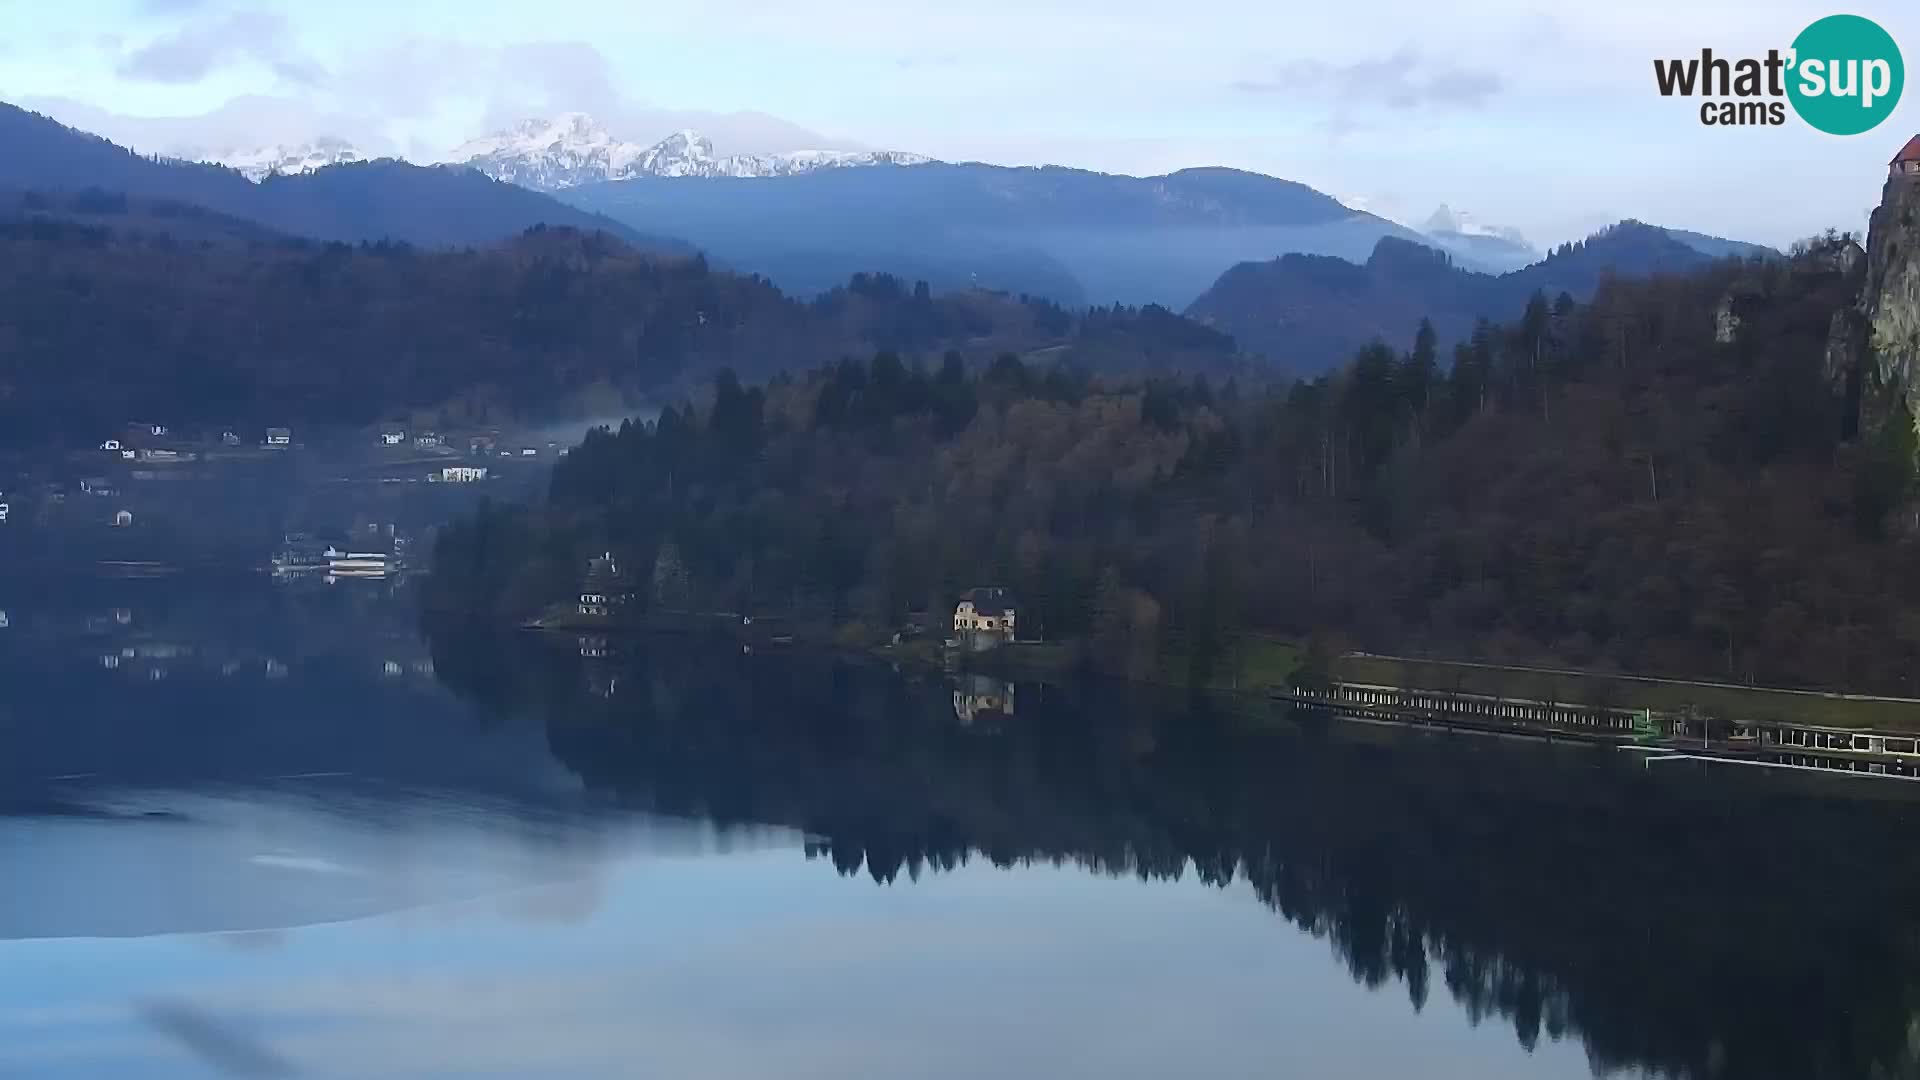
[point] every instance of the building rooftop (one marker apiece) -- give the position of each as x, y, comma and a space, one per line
1909, 152
993, 599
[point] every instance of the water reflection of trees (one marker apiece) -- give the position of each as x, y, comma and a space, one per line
1696, 925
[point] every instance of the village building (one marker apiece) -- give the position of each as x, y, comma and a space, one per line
605, 590
393, 437
426, 440
463, 474
985, 618
279, 436
1907, 161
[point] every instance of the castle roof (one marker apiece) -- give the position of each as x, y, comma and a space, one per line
1909, 152
994, 599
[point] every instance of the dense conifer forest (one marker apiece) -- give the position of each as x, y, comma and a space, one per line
1655, 481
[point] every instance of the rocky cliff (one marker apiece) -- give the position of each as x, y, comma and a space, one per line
1883, 332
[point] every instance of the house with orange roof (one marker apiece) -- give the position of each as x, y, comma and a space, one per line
1907, 161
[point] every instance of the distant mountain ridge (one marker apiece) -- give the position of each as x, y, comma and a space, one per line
363, 201
573, 149
1310, 313
112, 307
1127, 239
258, 163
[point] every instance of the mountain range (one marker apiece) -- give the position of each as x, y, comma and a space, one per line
1073, 235
1070, 235
289, 159
362, 201
573, 149
1203, 240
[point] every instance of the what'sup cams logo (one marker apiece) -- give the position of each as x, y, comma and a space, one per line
1842, 75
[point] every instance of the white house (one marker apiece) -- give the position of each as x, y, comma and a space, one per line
113, 445
122, 519
985, 618
279, 436
463, 474
426, 439
605, 590
393, 437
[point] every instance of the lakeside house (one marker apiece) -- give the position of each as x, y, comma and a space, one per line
426, 440
985, 619
393, 437
356, 564
463, 474
279, 436
605, 590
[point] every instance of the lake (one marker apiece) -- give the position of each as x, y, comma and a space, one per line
254, 830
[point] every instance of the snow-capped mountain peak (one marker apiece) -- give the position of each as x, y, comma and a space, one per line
260, 162
1447, 220
573, 149
1490, 248
683, 153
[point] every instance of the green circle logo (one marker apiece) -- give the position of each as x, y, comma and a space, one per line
1846, 75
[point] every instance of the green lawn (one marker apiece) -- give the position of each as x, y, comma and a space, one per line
1728, 702
1255, 663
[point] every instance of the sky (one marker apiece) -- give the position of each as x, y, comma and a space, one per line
1540, 117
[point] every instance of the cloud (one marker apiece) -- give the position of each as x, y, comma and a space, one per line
196, 50
1403, 80
170, 7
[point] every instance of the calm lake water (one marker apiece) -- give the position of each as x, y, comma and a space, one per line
261, 831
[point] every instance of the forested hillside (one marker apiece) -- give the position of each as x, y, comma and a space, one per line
111, 308
1607, 484
1309, 312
